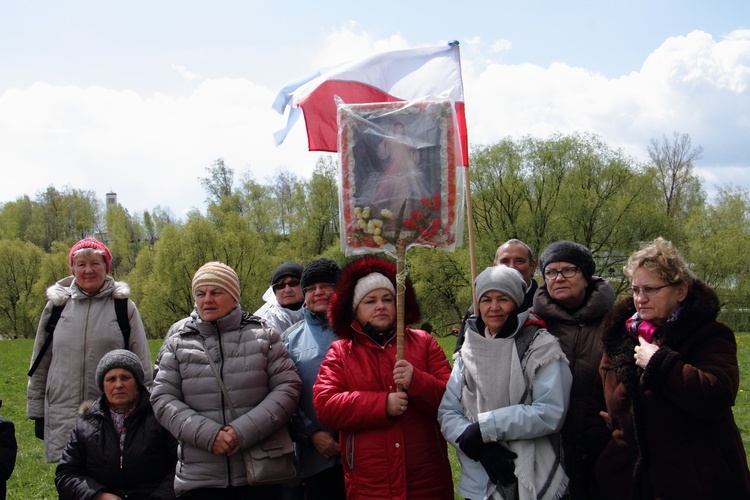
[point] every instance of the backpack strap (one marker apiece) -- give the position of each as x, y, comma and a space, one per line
121, 311
524, 339
50, 329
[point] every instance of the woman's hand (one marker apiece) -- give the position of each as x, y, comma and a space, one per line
226, 442
403, 372
325, 444
107, 496
643, 352
396, 404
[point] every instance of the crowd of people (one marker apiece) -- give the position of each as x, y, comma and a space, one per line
555, 391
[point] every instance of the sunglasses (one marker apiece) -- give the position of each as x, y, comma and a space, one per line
277, 287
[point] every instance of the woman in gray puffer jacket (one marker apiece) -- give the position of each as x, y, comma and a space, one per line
257, 371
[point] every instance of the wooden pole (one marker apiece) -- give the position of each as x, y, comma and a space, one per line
400, 300
472, 248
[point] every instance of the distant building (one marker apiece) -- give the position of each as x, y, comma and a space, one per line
111, 200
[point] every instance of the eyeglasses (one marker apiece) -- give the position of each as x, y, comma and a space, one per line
648, 291
277, 287
323, 287
567, 272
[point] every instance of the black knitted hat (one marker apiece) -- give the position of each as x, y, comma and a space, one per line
291, 269
568, 251
320, 271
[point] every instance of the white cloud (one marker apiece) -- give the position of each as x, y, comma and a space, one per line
501, 46
691, 84
183, 72
151, 149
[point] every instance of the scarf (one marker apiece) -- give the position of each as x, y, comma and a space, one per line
495, 377
635, 326
118, 420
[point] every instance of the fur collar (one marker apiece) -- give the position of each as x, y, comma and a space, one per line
701, 307
340, 312
66, 288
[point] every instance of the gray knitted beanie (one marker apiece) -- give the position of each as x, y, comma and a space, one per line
119, 358
503, 279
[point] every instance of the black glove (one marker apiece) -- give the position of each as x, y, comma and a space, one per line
497, 460
470, 441
39, 428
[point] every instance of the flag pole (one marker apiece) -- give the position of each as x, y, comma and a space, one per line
472, 248
400, 300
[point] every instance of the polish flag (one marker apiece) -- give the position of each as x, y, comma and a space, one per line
401, 75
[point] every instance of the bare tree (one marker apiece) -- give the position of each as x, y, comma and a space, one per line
674, 164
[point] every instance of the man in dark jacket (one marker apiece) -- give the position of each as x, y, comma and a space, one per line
518, 255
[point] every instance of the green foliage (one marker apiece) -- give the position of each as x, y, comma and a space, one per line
442, 283
19, 271
538, 190
125, 237
67, 215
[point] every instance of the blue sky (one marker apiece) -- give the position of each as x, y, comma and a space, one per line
140, 97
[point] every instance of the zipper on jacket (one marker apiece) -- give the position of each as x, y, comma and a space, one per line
228, 459
350, 451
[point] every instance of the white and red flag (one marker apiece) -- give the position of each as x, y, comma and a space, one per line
401, 75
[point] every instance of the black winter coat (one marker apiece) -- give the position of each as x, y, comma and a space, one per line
91, 462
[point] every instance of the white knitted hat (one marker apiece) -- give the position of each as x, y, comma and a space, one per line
371, 282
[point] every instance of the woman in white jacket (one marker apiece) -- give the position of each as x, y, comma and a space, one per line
507, 396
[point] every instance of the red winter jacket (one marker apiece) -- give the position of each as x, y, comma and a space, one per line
395, 458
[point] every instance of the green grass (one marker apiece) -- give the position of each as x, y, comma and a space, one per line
33, 478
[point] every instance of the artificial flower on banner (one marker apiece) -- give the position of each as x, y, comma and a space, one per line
399, 184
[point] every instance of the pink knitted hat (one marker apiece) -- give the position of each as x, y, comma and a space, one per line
96, 245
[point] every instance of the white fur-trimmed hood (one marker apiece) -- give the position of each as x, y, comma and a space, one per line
66, 288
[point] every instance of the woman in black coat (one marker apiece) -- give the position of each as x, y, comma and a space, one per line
118, 449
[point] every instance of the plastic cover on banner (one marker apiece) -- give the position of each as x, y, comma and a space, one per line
401, 182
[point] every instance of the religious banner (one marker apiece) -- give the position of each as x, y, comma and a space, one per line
398, 176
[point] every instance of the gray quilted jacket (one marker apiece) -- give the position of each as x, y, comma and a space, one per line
259, 376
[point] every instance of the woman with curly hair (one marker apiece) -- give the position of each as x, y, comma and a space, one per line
662, 425
390, 439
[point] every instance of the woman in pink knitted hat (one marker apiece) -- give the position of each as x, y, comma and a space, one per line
88, 314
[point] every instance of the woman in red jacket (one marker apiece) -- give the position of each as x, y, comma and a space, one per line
390, 441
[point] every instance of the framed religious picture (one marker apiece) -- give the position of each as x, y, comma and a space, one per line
398, 175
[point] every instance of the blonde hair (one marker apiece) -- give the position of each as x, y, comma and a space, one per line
661, 256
